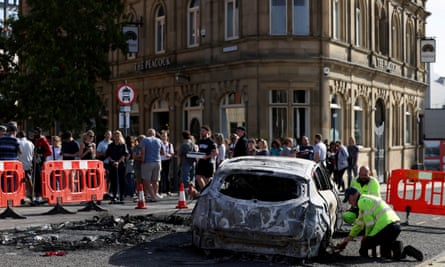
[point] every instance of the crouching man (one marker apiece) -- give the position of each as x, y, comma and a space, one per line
381, 224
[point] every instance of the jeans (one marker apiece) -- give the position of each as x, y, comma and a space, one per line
187, 173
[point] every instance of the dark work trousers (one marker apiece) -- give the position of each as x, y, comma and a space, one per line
384, 238
165, 181
38, 180
338, 178
117, 179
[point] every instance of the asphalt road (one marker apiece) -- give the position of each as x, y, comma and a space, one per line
173, 248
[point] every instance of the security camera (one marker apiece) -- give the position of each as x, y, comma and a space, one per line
326, 71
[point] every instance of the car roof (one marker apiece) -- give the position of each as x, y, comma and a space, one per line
284, 165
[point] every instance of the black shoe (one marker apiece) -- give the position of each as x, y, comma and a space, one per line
396, 248
413, 252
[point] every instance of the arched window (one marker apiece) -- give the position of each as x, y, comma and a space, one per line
192, 115
336, 119
409, 125
336, 20
232, 113
382, 31
160, 30
359, 119
358, 24
160, 113
410, 40
193, 24
396, 38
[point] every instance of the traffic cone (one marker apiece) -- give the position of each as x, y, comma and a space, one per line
141, 198
182, 204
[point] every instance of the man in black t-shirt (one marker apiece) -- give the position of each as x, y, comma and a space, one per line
206, 165
70, 147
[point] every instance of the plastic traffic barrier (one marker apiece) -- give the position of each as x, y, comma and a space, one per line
73, 181
12, 187
417, 191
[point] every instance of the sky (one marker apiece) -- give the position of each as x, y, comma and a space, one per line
435, 27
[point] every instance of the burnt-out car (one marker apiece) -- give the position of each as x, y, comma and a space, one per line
267, 205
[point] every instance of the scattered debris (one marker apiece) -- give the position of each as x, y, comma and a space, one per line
97, 232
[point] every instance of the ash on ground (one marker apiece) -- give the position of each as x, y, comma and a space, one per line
96, 233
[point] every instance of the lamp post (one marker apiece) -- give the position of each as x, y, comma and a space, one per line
334, 126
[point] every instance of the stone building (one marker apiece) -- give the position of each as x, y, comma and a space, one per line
281, 68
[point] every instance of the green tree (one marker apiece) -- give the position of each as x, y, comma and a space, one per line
63, 48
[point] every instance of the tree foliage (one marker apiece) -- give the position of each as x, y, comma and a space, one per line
63, 48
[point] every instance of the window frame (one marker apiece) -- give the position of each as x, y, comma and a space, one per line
234, 20
193, 13
277, 19
295, 21
160, 30
287, 108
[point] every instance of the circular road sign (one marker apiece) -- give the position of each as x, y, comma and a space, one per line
125, 94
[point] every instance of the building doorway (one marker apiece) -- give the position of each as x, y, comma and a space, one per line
160, 115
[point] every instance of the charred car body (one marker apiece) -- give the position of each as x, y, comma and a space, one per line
267, 205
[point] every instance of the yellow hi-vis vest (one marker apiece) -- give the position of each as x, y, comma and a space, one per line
371, 188
374, 215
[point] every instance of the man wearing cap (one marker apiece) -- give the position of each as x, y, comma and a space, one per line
42, 151
9, 145
380, 222
365, 184
206, 165
241, 144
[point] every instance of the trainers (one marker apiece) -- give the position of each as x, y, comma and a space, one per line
413, 252
158, 196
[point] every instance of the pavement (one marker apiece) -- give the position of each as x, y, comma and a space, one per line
35, 216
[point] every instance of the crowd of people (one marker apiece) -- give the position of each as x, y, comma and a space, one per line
147, 159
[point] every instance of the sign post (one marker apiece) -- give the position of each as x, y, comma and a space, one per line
125, 95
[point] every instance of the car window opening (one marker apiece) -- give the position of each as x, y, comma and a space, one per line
261, 187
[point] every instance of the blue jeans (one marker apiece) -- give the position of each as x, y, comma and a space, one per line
187, 173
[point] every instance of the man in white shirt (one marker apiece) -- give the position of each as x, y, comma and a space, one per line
27, 148
319, 150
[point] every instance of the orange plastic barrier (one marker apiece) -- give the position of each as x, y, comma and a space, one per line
73, 181
417, 191
12, 189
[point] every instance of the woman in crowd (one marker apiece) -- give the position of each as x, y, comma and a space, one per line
288, 148
116, 154
221, 146
263, 149
88, 147
56, 148
276, 148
